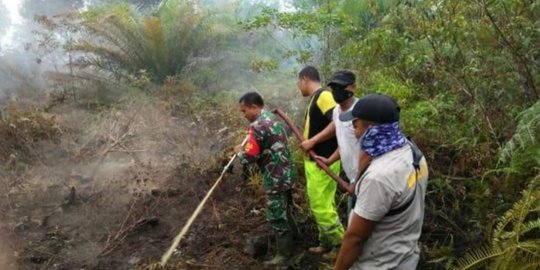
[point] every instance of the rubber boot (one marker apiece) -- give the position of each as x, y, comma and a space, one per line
295, 232
283, 250
332, 254
290, 218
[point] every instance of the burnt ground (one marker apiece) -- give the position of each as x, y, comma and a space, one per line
112, 190
82, 230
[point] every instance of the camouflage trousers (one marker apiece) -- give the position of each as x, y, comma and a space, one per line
278, 211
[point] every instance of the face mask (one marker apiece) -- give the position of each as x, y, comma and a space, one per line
340, 94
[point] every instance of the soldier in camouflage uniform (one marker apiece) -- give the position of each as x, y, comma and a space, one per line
267, 146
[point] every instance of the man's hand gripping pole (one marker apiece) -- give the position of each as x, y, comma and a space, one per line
342, 183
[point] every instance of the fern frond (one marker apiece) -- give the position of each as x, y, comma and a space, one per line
533, 265
508, 217
527, 256
115, 35
516, 215
153, 29
526, 132
118, 39
508, 250
132, 41
478, 257
531, 225
531, 247
534, 184
101, 51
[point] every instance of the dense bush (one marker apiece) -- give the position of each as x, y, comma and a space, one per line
466, 73
467, 76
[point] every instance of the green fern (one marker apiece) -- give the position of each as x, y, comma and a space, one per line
516, 216
478, 257
508, 249
531, 225
524, 146
122, 41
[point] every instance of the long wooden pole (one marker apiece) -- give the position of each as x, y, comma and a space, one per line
198, 210
342, 183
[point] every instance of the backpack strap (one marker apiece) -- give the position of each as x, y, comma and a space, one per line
416, 153
417, 158
404, 207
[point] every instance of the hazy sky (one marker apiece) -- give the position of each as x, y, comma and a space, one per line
13, 8
10, 38
16, 19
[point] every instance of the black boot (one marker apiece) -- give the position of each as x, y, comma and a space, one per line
290, 218
284, 244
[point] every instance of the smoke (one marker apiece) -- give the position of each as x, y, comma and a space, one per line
25, 55
21, 56
23, 63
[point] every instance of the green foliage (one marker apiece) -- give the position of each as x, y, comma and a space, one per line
307, 25
120, 46
513, 244
323, 29
121, 40
466, 76
260, 65
522, 151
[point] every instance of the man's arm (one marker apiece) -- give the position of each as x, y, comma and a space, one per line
333, 158
327, 133
374, 199
251, 152
356, 235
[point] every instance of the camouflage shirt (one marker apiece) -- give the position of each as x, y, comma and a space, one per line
267, 145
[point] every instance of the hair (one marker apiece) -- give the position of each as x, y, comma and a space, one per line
365, 123
311, 73
252, 98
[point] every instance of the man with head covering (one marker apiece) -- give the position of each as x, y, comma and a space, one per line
386, 221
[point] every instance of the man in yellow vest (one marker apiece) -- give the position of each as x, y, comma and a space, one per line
319, 135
